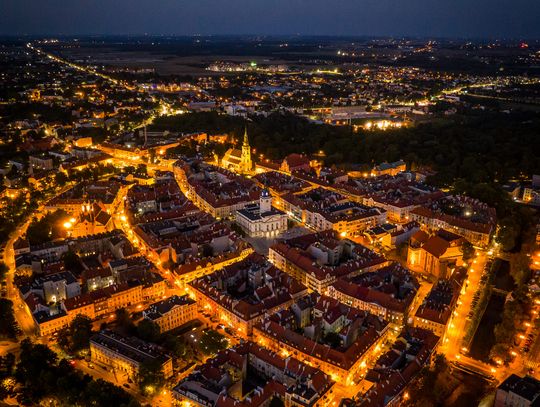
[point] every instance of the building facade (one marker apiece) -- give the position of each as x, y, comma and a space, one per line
127, 354
172, 312
262, 220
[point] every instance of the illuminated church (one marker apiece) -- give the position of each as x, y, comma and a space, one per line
92, 219
238, 160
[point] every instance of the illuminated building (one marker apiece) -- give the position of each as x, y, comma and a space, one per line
317, 260
393, 168
262, 219
357, 335
219, 381
395, 369
127, 354
475, 221
387, 292
295, 162
241, 294
436, 310
237, 160
92, 219
220, 192
321, 209
435, 255
531, 196
172, 312
39, 163
518, 391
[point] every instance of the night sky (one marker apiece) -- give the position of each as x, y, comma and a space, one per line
444, 18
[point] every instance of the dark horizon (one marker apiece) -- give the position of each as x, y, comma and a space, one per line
459, 19
254, 36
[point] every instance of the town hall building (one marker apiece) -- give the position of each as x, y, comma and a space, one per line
262, 220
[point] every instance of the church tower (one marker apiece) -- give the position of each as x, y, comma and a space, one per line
246, 165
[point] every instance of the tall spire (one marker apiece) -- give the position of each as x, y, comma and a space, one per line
246, 164
246, 140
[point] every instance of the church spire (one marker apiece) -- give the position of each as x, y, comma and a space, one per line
246, 140
246, 164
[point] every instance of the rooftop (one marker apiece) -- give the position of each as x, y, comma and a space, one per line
356, 330
250, 287
130, 347
526, 387
158, 309
308, 253
392, 287
258, 385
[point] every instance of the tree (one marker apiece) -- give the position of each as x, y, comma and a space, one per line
151, 155
61, 178
35, 370
41, 374
467, 250
102, 393
76, 337
519, 268
174, 344
142, 169
212, 342
49, 227
7, 363
72, 261
401, 250
513, 316
207, 250
4, 269
151, 376
500, 351
124, 322
148, 330
332, 339
508, 234
8, 326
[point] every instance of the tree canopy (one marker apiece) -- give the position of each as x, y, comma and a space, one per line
212, 342
8, 326
49, 227
470, 147
76, 337
41, 374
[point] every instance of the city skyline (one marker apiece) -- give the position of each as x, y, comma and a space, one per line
191, 215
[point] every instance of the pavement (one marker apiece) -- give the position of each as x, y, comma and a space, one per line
423, 291
9, 347
452, 345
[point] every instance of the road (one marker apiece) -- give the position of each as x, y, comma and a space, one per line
24, 319
9, 347
456, 328
423, 291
